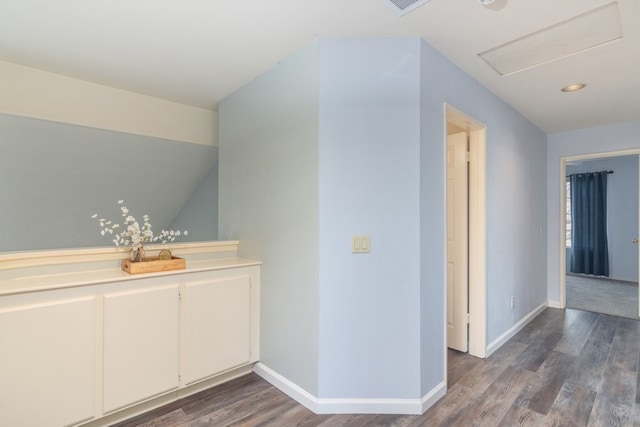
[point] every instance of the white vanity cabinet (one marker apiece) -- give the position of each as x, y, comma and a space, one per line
47, 362
141, 345
103, 346
217, 325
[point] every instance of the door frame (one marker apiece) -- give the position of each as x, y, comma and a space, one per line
477, 230
563, 204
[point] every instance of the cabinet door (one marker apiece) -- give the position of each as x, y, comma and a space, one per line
218, 319
141, 345
47, 363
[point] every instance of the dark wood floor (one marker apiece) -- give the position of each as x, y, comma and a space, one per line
565, 368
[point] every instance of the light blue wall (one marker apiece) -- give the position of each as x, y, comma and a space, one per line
369, 184
347, 137
268, 199
516, 204
602, 139
54, 176
199, 215
622, 212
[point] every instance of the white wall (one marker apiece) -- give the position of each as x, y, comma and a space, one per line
40, 94
622, 212
602, 139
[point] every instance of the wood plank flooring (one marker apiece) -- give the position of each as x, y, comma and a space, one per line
565, 368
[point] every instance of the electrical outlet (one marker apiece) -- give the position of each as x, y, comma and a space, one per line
513, 302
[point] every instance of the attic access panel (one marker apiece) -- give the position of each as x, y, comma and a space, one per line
586, 31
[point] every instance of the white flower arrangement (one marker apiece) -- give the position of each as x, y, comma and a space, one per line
132, 233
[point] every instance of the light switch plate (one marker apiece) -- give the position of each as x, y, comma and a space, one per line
360, 244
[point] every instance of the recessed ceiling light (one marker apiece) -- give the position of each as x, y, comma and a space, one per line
574, 87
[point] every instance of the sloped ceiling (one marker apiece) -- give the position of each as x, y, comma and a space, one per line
198, 51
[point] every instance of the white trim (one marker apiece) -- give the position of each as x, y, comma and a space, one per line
430, 399
445, 342
478, 242
563, 232
11, 260
554, 304
289, 388
350, 406
370, 406
509, 333
477, 230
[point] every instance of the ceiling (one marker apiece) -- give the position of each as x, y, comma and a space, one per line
198, 51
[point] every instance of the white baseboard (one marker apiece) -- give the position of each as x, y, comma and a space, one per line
497, 343
429, 399
350, 406
554, 304
289, 388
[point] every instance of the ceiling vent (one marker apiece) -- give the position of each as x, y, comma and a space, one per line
404, 6
578, 34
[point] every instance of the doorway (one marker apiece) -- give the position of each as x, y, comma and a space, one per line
465, 277
614, 291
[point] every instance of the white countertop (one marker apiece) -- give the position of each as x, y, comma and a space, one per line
35, 280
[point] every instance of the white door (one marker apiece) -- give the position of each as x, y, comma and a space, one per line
457, 242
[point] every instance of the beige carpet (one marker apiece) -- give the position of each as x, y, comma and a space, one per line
613, 297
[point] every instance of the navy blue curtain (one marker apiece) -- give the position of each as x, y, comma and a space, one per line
589, 248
